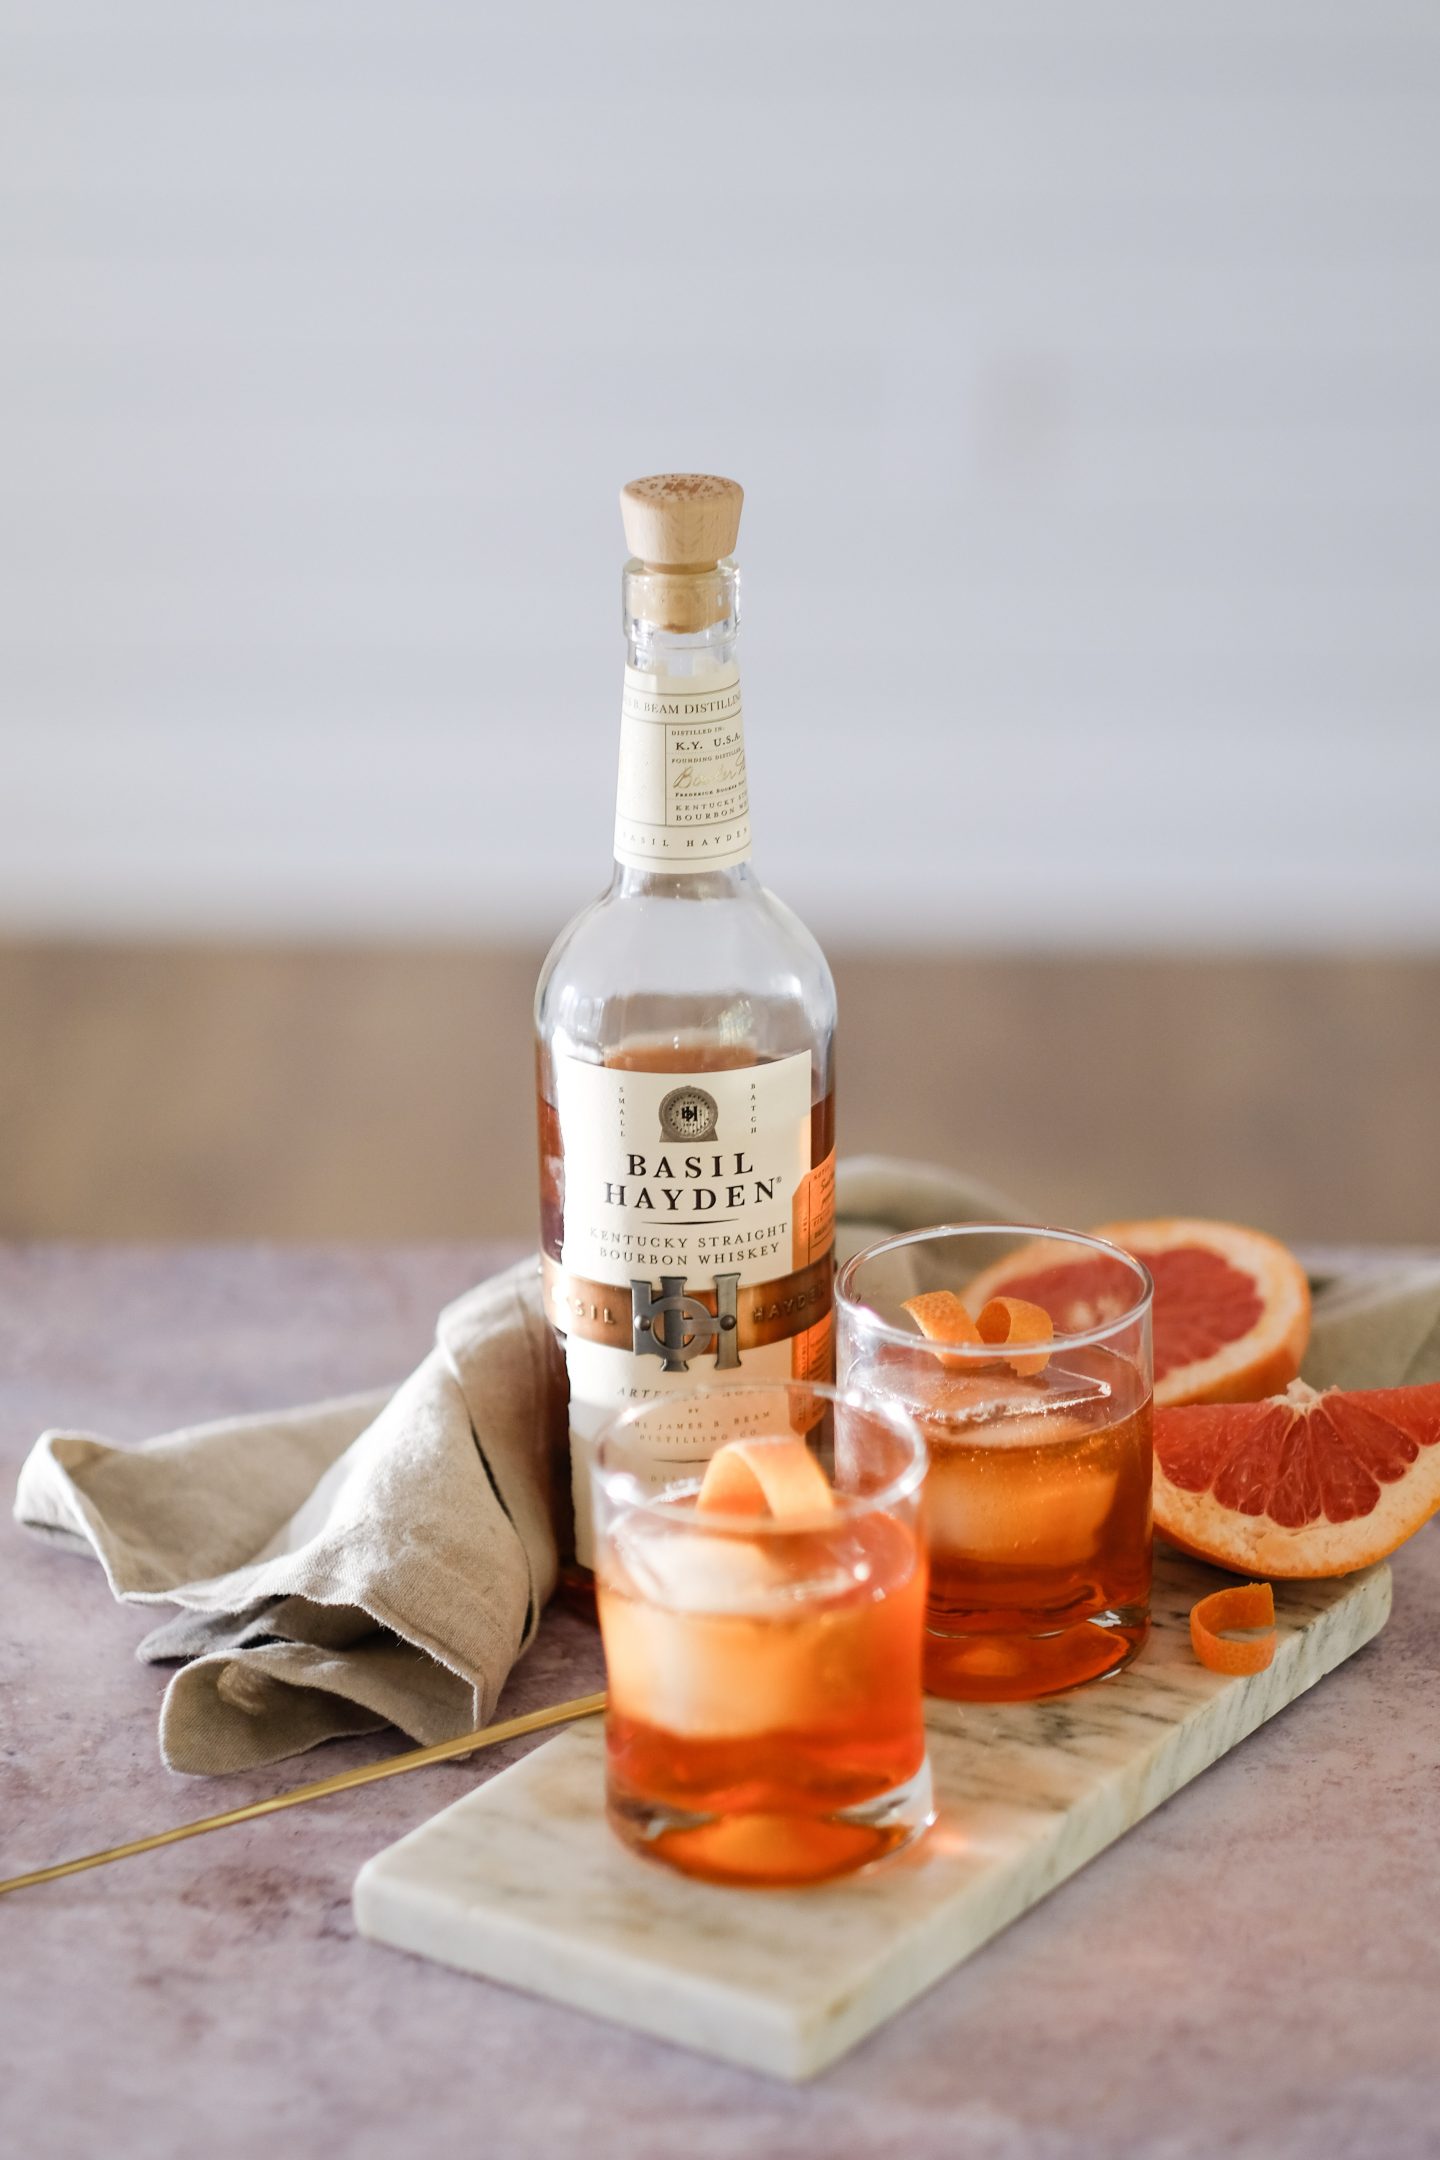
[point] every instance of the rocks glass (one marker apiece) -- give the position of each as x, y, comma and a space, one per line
1038, 1498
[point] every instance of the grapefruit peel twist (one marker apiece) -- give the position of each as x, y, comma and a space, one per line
779, 1478
1003, 1322
1242, 1605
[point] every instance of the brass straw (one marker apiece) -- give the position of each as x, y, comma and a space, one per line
343, 1781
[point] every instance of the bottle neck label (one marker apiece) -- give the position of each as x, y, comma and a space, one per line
682, 803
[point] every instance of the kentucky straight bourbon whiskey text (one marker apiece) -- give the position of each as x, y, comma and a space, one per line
685, 1029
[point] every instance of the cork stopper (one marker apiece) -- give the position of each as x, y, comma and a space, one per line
681, 521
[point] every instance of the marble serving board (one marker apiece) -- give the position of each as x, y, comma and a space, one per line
522, 1882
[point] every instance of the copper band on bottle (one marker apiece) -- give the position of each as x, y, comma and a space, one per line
765, 1312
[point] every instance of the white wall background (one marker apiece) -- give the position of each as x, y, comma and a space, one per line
1080, 361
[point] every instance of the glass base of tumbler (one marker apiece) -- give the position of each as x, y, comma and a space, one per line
1017, 1665
771, 1851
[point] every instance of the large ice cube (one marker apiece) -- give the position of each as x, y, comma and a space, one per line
718, 1637
1011, 1409
1033, 1492
695, 1571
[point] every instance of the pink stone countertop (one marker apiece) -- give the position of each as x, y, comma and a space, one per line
1254, 1970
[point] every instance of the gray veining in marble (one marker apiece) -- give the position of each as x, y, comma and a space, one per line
522, 1882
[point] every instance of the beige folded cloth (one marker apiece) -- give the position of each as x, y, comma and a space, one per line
1376, 1325
384, 1559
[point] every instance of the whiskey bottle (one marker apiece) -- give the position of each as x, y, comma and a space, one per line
685, 1049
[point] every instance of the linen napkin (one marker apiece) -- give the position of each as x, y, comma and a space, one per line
380, 1559
385, 1558
1375, 1326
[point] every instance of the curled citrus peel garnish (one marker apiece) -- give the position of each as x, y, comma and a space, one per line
1004, 1321
1013, 1320
778, 1477
941, 1318
1243, 1605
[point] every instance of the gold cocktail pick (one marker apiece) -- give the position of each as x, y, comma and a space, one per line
343, 1781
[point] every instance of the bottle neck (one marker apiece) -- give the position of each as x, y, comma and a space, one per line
682, 821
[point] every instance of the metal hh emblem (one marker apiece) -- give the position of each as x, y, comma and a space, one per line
688, 1113
675, 1328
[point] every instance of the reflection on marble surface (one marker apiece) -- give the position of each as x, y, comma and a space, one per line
522, 1882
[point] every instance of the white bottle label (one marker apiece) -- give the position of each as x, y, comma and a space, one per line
682, 802
697, 1244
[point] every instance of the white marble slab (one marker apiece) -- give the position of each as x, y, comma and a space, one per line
523, 1882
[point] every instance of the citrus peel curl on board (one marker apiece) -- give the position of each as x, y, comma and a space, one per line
1243, 1605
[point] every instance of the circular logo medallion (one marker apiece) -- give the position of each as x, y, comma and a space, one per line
688, 1113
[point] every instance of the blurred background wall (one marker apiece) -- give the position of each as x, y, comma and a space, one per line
1080, 364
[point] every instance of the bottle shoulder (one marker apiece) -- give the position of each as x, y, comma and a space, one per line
736, 962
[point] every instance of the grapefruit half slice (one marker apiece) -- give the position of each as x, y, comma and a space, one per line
1303, 1484
1232, 1306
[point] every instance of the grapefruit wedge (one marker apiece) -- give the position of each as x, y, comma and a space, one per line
1303, 1484
1232, 1306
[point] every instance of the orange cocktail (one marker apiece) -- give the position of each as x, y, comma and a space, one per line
762, 1625
1038, 1499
